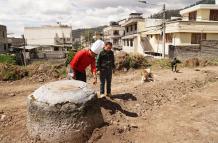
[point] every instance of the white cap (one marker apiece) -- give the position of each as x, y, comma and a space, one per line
97, 47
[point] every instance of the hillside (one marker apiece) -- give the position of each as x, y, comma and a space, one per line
169, 14
175, 12
78, 32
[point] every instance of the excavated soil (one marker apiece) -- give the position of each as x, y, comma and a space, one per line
176, 107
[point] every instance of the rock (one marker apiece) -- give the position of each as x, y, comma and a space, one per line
193, 104
41, 80
132, 126
215, 99
12, 94
197, 70
137, 105
63, 111
3, 117
120, 130
175, 79
125, 70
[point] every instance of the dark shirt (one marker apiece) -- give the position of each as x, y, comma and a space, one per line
106, 60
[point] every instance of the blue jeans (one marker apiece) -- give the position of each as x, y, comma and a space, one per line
105, 76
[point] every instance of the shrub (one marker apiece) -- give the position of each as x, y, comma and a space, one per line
12, 72
137, 61
7, 59
70, 56
193, 62
161, 63
124, 60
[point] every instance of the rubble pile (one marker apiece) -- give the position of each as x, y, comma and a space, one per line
45, 72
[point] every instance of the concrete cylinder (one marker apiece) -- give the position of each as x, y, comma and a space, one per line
63, 111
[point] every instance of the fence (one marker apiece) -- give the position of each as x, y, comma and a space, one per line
51, 55
208, 49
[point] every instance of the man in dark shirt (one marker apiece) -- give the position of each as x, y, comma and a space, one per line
106, 66
174, 63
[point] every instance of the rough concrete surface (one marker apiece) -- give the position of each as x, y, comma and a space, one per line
63, 111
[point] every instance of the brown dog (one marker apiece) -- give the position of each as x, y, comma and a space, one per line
147, 76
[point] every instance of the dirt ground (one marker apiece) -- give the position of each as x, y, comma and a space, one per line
175, 108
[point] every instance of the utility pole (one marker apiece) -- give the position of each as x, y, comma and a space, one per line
164, 30
24, 52
63, 40
163, 26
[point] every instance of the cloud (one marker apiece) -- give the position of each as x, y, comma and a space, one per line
16, 14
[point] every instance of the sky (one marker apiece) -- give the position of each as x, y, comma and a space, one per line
17, 14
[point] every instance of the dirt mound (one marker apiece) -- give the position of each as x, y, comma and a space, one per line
46, 72
12, 72
194, 62
34, 72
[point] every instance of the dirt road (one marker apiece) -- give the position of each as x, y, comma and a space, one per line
177, 107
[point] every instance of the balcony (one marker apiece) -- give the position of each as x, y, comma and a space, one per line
187, 27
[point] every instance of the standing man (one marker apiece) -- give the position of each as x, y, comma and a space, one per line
106, 66
83, 59
174, 64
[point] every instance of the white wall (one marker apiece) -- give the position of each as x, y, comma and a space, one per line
45, 35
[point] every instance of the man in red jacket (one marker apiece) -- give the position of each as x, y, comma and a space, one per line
83, 59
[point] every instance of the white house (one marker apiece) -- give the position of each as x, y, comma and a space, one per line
113, 34
54, 38
198, 23
132, 40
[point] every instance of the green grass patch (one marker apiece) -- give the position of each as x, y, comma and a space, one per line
161, 63
7, 59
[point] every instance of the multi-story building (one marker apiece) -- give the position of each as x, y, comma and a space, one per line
51, 38
98, 36
199, 22
132, 41
14, 43
113, 34
49, 41
3, 39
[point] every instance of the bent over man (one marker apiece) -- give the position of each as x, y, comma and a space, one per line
83, 59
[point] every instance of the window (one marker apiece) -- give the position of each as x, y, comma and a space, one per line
127, 29
5, 47
127, 42
131, 28
169, 38
193, 16
116, 32
136, 27
214, 15
198, 37
3, 34
115, 42
131, 43
56, 49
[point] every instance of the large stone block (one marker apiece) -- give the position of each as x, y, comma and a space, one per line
63, 111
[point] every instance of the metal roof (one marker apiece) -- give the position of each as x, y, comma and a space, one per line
28, 47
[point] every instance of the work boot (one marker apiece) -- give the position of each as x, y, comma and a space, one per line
109, 95
102, 96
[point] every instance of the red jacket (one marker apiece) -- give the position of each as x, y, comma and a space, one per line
82, 60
